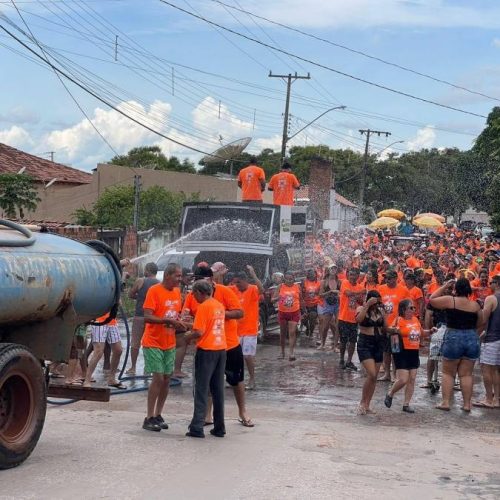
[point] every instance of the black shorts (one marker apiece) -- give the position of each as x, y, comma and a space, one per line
370, 347
407, 359
312, 310
235, 366
385, 342
348, 332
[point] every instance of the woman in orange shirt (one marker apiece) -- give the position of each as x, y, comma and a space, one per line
407, 360
289, 298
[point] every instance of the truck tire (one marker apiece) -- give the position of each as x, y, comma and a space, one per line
261, 334
23, 403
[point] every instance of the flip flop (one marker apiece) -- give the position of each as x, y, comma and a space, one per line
208, 423
466, 410
246, 422
482, 404
292, 358
118, 385
426, 386
442, 408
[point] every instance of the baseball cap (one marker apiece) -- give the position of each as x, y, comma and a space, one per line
202, 272
218, 267
357, 253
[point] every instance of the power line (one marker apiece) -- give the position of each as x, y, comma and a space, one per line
104, 101
355, 51
63, 84
323, 66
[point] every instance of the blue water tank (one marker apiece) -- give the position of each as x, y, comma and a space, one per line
39, 280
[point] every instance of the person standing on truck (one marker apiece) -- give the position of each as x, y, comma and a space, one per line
138, 293
283, 185
162, 307
252, 182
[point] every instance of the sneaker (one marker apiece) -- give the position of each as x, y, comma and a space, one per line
351, 366
161, 422
150, 424
388, 401
408, 409
342, 364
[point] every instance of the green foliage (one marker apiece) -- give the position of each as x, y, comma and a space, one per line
152, 157
17, 194
159, 208
487, 144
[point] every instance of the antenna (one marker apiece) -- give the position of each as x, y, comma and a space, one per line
227, 153
50, 183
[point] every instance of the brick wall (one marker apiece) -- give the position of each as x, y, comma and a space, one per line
82, 233
129, 247
320, 184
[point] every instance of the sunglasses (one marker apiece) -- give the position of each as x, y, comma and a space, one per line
412, 308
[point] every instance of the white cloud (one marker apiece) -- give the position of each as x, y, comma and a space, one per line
424, 139
496, 42
19, 115
76, 143
17, 137
229, 126
369, 13
273, 143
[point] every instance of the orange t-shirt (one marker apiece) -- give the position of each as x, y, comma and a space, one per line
413, 262
164, 304
311, 293
190, 304
104, 317
391, 297
282, 186
289, 298
209, 320
482, 292
248, 326
415, 293
250, 178
230, 302
410, 331
348, 305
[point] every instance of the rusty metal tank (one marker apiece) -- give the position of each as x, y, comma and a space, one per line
40, 273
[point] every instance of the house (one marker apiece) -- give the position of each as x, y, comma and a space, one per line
50, 179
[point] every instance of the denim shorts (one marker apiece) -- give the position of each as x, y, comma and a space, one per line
328, 309
458, 344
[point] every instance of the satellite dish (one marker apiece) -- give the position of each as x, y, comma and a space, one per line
227, 152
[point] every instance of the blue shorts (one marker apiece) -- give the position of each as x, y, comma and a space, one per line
331, 309
458, 344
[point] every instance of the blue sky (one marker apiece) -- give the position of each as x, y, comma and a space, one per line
458, 41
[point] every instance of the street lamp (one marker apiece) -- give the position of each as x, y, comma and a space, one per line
312, 121
387, 147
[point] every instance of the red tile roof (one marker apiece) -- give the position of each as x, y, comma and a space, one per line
303, 193
12, 160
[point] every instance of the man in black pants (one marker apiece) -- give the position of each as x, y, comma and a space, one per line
209, 361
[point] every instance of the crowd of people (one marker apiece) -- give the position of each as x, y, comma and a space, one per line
366, 294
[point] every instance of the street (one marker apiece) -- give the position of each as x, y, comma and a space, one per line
308, 442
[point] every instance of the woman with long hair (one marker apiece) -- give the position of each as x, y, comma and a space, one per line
460, 347
405, 334
372, 323
328, 308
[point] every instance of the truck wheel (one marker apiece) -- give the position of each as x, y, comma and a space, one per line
23, 403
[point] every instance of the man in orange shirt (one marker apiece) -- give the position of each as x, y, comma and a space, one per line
392, 294
248, 326
282, 185
162, 307
252, 181
352, 295
209, 361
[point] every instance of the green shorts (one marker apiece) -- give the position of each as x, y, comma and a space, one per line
158, 361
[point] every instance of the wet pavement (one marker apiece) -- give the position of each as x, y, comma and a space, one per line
308, 443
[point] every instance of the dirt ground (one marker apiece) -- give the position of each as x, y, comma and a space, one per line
307, 443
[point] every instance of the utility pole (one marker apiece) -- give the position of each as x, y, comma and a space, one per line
137, 200
362, 185
289, 79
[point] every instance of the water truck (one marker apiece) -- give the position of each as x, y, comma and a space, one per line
49, 286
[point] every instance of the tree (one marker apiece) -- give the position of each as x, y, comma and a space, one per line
159, 208
17, 193
153, 158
